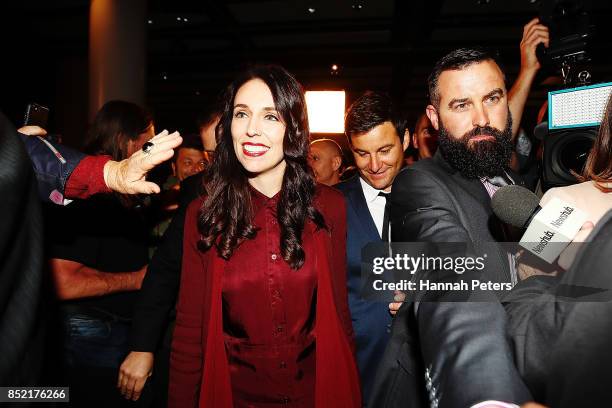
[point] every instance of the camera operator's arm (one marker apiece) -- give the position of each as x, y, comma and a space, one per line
534, 34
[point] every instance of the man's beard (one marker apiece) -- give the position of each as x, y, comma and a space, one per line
485, 158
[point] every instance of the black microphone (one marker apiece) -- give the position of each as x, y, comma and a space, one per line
515, 205
549, 229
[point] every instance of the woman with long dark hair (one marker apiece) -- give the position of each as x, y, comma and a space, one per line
262, 317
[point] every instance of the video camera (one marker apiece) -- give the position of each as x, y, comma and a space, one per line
570, 29
575, 112
574, 116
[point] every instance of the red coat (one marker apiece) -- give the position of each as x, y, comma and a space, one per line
199, 373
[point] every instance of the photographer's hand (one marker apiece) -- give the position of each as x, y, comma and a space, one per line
534, 34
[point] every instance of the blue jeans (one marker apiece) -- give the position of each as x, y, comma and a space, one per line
94, 348
94, 341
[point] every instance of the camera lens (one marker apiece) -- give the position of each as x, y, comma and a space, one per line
574, 153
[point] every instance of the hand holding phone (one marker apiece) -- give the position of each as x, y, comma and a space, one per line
32, 130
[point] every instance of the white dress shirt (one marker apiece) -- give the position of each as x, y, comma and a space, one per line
376, 204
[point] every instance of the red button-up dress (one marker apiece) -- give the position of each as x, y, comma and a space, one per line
252, 332
268, 317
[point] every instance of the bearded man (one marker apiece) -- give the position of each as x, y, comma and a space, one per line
445, 351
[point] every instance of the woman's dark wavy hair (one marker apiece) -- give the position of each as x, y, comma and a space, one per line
226, 217
598, 166
115, 124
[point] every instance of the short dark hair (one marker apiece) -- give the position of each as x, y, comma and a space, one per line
455, 60
370, 110
190, 141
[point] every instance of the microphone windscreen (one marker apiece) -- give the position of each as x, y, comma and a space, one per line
514, 205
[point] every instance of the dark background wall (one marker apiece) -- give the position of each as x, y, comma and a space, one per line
385, 45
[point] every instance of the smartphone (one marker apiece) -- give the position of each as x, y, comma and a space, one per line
36, 115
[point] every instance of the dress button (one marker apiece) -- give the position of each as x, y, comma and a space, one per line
283, 364
279, 328
274, 256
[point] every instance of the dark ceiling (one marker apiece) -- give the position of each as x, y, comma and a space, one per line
387, 45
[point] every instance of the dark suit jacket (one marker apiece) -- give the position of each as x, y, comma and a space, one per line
29, 172
462, 346
51, 172
578, 368
560, 327
371, 319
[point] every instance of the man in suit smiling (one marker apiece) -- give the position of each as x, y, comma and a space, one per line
376, 135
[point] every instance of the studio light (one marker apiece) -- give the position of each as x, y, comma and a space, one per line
326, 111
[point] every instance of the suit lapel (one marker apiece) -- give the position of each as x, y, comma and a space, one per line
494, 226
475, 189
358, 202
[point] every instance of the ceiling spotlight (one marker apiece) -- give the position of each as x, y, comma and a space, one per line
357, 6
334, 67
178, 19
164, 76
481, 2
311, 10
185, 19
150, 21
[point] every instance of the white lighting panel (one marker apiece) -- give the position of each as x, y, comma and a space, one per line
578, 107
325, 111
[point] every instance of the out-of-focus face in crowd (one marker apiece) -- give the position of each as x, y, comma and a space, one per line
325, 159
188, 162
425, 137
207, 134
